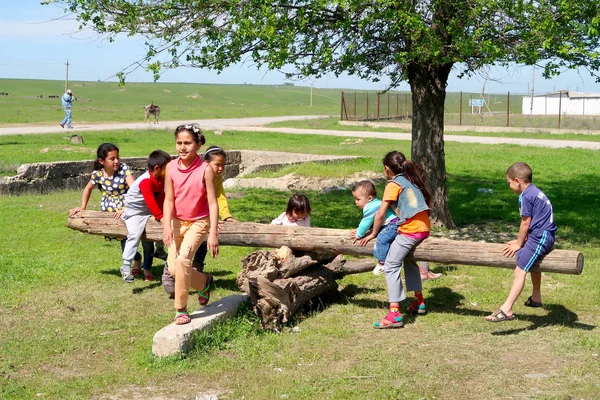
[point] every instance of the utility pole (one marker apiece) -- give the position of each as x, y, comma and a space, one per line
67, 77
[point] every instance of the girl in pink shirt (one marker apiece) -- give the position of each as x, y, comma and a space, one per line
191, 214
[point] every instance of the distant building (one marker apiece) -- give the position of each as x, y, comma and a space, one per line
564, 102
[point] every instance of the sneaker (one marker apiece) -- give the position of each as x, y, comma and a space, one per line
378, 270
168, 281
62, 126
127, 277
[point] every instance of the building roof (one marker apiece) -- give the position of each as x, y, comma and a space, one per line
570, 94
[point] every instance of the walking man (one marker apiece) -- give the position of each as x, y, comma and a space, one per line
67, 103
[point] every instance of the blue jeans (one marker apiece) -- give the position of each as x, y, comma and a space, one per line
67, 119
384, 239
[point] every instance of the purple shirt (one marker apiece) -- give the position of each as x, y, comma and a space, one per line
534, 203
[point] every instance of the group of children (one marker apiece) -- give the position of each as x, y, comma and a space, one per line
186, 195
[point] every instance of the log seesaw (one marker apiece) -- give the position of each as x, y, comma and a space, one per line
309, 260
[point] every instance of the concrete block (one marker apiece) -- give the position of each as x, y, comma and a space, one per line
174, 339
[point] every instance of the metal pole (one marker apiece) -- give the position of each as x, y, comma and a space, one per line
355, 106
508, 109
378, 104
460, 110
67, 78
342, 107
367, 106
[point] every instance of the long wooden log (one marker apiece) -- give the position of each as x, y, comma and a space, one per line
338, 241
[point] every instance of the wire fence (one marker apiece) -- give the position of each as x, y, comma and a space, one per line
472, 109
364, 106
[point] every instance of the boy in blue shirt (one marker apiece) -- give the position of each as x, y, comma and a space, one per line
365, 197
536, 238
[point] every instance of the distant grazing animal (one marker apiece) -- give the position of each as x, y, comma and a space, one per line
152, 109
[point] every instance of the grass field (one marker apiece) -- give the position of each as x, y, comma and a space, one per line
104, 101
332, 123
70, 328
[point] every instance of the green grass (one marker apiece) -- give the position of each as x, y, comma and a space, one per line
105, 101
70, 328
332, 124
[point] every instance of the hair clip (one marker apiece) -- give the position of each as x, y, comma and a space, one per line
192, 128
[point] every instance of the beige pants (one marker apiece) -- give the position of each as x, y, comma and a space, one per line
188, 235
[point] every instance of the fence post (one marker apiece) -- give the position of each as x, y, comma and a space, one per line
354, 106
367, 106
559, 107
460, 110
508, 109
397, 105
388, 105
378, 104
342, 107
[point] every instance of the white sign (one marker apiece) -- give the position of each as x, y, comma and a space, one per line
476, 102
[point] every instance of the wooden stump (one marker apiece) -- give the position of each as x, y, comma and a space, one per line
279, 283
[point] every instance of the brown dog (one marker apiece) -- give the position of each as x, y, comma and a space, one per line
151, 109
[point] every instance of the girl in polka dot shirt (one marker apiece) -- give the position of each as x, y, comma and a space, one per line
113, 178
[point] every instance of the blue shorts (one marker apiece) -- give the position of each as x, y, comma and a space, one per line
534, 249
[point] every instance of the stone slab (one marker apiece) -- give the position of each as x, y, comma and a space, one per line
174, 339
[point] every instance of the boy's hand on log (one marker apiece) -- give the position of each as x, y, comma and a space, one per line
74, 211
511, 249
118, 214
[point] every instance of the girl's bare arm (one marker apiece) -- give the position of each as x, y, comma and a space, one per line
85, 198
209, 181
168, 206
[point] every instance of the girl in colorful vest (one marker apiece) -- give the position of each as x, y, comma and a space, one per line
191, 214
407, 195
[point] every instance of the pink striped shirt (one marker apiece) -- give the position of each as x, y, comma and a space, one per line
191, 203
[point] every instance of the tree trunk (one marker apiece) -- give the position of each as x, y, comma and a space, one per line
428, 86
330, 242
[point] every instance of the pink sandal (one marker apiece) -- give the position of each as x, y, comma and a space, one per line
182, 318
391, 321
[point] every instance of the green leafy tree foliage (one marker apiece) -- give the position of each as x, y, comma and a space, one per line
419, 41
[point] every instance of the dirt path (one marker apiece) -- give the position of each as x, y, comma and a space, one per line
257, 125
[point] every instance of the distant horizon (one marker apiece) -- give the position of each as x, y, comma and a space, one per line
292, 84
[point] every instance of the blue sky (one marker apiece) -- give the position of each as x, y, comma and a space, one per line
36, 41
